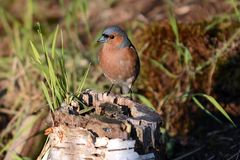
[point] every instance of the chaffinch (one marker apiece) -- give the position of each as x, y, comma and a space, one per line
118, 59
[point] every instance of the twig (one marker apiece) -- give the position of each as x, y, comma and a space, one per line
188, 154
221, 51
235, 155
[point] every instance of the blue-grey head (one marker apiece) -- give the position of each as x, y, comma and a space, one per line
116, 36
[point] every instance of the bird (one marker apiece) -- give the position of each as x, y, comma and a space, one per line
118, 59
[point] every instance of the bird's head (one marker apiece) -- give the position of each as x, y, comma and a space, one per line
115, 36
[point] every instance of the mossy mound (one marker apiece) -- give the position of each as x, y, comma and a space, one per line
166, 77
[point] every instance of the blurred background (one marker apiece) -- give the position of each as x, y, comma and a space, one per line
190, 68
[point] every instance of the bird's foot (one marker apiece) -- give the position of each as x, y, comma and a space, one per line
109, 91
106, 92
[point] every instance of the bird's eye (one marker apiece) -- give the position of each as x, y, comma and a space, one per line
105, 35
111, 36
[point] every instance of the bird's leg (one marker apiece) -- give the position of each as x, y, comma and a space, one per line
127, 90
130, 92
110, 89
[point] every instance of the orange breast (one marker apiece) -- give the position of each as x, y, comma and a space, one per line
118, 64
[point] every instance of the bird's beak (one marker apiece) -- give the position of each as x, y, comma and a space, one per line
102, 39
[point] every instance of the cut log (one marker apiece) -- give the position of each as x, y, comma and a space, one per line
117, 129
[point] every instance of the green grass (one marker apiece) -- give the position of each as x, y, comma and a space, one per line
20, 77
144, 100
52, 66
213, 101
48, 66
25, 91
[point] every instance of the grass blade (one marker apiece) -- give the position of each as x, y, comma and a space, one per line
145, 101
79, 90
54, 43
204, 109
45, 91
218, 106
36, 55
165, 70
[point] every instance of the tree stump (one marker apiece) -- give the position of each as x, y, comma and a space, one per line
117, 128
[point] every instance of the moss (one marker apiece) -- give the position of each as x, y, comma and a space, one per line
166, 91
